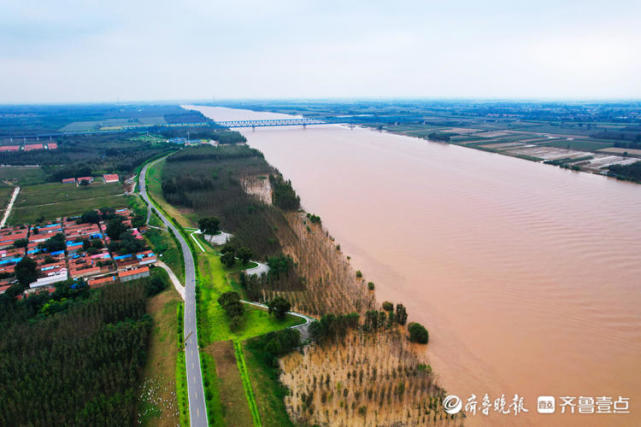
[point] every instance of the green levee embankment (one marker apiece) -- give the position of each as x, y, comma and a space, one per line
181, 371
244, 375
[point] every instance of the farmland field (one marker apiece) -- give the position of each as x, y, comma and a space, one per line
581, 145
36, 195
615, 150
5, 194
30, 214
53, 200
112, 123
22, 175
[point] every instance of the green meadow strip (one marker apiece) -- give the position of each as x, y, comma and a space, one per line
181, 372
244, 375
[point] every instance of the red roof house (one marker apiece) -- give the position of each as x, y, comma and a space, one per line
111, 177
136, 273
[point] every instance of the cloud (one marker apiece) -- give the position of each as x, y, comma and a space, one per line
93, 50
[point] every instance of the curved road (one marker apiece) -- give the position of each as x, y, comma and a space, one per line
302, 328
195, 390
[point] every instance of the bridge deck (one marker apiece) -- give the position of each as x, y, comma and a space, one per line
272, 122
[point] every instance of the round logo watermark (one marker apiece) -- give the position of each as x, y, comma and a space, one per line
452, 404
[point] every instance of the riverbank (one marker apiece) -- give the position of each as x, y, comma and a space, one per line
502, 259
573, 152
307, 269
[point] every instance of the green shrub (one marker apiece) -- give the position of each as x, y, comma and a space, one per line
228, 259
418, 333
279, 306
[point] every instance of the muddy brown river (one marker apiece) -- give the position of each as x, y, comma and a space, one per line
527, 276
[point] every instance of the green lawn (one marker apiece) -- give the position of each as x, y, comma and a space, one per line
22, 175
215, 325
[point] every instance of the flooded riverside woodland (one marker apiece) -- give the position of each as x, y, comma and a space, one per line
526, 275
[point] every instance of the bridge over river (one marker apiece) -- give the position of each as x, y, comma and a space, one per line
275, 122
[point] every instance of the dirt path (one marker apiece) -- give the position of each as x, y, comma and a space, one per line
179, 287
7, 212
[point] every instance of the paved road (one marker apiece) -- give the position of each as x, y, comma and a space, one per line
303, 328
197, 408
258, 270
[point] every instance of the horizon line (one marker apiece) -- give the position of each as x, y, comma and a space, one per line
327, 99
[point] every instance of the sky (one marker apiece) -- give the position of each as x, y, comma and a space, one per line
135, 50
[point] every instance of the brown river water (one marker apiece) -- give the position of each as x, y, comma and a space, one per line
527, 276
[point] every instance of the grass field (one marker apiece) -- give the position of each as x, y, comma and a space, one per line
247, 385
168, 252
21, 175
215, 325
106, 124
159, 406
5, 195
137, 206
234, 409
54, 200
31, 214
268, 391
215, 409
236, 403
181, 367
35, 195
